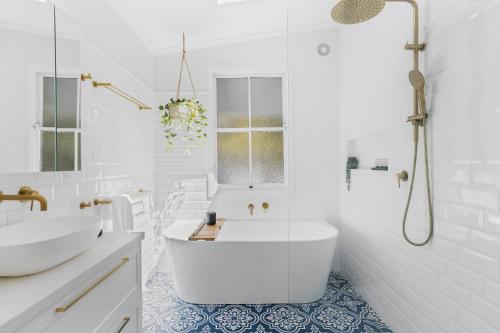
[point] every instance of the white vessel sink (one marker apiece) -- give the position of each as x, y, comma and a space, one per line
37, 245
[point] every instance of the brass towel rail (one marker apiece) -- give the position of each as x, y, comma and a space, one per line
119, 92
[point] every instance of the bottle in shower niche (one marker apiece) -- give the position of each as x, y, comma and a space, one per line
352, 163
381, 164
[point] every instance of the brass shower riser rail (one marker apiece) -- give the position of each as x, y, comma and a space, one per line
119, 92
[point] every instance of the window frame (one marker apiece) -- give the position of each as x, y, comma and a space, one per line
214, 130
38, 129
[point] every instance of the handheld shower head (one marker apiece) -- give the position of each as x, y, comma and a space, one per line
356, 11
417, 79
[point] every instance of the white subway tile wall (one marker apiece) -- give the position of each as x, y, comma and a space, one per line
118, 140
453, 284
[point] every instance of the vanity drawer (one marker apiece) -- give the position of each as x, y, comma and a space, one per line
84, 309
124, 318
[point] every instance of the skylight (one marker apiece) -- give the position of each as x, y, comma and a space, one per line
224, 2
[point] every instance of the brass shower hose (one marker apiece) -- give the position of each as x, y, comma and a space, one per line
429, 199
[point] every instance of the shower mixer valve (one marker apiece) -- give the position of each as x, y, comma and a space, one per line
402, 176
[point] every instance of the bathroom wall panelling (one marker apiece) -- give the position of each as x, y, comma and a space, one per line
118, 140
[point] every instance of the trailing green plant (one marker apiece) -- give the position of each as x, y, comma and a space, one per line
184, 118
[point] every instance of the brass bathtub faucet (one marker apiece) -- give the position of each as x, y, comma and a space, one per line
24, 194
251, 207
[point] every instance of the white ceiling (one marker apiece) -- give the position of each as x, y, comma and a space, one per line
160, 23
26, 15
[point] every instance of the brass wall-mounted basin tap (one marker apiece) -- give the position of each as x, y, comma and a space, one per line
25, 194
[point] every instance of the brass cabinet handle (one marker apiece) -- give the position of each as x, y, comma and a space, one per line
125, 322
92, 287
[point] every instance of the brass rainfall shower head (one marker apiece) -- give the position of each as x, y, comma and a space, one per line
356, 11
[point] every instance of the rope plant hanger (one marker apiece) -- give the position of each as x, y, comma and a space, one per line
185, 117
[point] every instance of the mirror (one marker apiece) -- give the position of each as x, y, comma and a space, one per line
39, 88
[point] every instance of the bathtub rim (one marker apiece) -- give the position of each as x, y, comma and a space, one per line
182, 229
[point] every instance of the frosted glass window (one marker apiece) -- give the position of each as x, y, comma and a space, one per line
250, 152
67, 103
60, 141
233, 158
49, 102
232, 102
64, 159
66, 152
48, 151
267, 101
267, 158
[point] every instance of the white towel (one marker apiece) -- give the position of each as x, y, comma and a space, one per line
123, 219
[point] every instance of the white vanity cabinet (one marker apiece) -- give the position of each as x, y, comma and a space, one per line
97, 291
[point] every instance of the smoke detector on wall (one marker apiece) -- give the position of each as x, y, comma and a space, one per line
323, 49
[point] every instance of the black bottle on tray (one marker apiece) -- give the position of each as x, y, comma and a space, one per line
211, 218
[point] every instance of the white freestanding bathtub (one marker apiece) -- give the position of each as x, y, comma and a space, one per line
252, 262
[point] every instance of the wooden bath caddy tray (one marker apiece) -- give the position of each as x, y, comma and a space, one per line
206, 232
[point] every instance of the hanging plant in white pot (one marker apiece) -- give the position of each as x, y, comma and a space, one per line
184, 117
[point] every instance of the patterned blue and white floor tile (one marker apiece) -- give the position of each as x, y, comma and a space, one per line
341, 310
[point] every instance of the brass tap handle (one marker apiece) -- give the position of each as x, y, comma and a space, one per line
402, 176
98, 202
84, 205
85, 76
251, 207
26, 190
265, 206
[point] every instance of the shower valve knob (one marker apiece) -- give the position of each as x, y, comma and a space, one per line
402, 176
